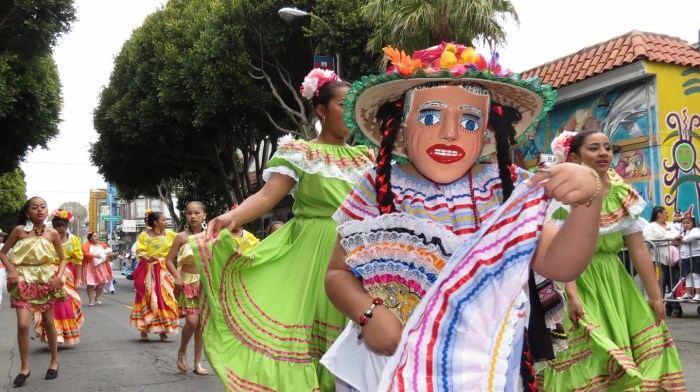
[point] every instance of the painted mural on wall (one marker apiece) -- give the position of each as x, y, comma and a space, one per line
626, 114
679, 109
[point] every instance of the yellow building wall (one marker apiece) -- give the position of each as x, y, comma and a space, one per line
678, 122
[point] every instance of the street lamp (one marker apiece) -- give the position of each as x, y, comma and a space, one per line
290, 14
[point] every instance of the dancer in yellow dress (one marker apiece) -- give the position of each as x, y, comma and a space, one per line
155, 307
67, 316
187, 286
31, 280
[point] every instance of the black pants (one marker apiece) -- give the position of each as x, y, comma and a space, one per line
669, 277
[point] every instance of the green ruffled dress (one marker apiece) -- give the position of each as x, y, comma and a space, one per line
617, 346
267, 319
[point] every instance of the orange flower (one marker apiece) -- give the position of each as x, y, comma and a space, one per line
403, 62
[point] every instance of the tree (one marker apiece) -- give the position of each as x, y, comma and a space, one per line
180, 100
13, 195
30, 98
413, 24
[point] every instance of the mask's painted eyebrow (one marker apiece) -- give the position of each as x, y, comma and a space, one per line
470, 108
432, 105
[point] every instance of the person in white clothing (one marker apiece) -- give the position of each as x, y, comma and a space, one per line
689, 239
661, 232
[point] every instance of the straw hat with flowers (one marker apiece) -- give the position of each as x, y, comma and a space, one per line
446, 62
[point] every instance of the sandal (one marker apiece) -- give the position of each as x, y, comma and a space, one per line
144, 337
199, 370
164, 337
182, 364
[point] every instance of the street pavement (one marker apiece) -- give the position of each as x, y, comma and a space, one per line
110, 356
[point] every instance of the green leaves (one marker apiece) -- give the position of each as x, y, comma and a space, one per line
30, 98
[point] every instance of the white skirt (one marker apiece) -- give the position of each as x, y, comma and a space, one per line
353, 363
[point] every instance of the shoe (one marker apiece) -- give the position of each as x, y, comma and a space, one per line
696, 297
199, 370
111, 292
99, 302
91, 304
182, 364
164, 337
51, 373
685, 296
21, 379
144, 337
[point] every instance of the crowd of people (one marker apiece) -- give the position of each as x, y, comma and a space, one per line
421, 258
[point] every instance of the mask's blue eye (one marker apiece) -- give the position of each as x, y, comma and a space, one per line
429, 117
470, 123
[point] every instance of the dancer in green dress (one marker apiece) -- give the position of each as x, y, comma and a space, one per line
617, 339
267, 320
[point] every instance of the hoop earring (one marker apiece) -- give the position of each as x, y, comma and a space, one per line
28, 226
204, 225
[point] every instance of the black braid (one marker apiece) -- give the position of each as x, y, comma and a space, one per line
502, 126
390, 115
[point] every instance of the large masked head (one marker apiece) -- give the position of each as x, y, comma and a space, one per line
446, 97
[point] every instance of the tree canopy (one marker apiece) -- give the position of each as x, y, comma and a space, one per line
13, 194
412, 25
30, 99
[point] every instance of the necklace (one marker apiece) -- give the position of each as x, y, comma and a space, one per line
477, 218
38, 233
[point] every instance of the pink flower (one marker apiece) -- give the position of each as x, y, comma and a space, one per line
315, 80
561, 145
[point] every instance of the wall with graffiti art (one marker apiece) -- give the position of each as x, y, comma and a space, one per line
627, 114
679, 127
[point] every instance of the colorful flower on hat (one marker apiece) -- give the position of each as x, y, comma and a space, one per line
453, 57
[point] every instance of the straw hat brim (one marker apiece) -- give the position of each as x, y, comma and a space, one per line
367, 95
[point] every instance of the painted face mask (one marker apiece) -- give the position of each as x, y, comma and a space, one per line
444, 130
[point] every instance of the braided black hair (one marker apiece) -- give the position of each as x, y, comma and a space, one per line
390, 113
501, 121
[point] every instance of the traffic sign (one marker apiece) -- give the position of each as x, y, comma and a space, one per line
111, 217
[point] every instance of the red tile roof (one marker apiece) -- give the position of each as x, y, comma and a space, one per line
618, 51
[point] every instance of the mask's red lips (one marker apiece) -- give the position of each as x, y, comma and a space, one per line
442, 153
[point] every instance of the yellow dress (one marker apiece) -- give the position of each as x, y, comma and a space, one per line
33, 258
188, 298
67, 316
246, 241
155, 308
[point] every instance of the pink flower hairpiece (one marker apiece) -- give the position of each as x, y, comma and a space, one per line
561, 146
63, 214
315, 80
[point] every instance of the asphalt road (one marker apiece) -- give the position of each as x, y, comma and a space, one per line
110, 356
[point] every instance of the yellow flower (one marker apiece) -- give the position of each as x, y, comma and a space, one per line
451, 48
447, 58
64, 214
469, 56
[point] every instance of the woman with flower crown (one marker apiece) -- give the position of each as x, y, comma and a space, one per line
97, 270
618, 340
155, 308
67, 315
33, 281
270, 320
433, 258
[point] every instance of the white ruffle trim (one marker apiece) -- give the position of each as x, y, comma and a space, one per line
372, 228
267, 173
513, 324
327, 167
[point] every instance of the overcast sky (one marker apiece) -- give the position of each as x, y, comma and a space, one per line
548, 29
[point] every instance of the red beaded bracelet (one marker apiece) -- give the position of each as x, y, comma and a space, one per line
364, 319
